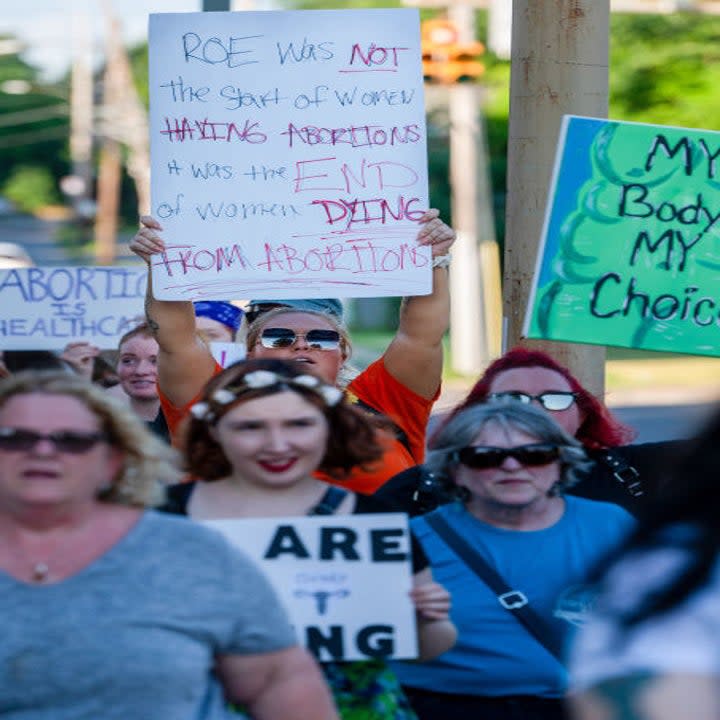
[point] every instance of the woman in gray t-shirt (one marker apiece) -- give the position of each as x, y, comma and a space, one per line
116, 612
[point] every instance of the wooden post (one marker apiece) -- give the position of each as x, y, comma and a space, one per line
81, 114
108, 202
559, 66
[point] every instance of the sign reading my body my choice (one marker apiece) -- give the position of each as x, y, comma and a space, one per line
344, 579
630, 253
288, 154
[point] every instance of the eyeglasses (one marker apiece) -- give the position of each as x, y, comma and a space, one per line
556, 400
274, 338
484, 457
74, 442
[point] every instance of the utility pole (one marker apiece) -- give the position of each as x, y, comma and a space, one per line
123, 122
474, 273
110, 162
79, 186
559, 66
499, 28
108, 201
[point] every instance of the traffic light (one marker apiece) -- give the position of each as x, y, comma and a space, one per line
444, 58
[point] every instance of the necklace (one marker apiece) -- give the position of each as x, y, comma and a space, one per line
40, 572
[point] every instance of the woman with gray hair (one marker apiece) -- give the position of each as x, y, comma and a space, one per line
514, 553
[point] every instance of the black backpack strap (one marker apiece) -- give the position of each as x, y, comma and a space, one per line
329, 502
624, 473
177, 498
415, 490
159, 426
514, 601
400, 434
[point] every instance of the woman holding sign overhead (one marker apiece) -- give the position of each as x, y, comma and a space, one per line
256, 437
402, 384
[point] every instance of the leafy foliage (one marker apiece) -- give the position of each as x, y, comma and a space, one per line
34, 123
663, 69
31, 187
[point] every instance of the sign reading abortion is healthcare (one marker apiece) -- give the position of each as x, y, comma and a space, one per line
44, 308
344, 579
630, 252
288, 154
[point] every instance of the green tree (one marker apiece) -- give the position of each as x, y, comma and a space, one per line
31, 187
34, 123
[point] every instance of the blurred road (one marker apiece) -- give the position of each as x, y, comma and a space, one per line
662, 414
663, 422
36, 236
42, 240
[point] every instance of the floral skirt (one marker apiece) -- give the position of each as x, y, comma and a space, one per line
363, 690
367, 690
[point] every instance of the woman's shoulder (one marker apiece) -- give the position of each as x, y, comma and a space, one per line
366, 504
450, 513
177, 497
585, 509
182, 536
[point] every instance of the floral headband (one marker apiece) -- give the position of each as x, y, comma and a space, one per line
263, 379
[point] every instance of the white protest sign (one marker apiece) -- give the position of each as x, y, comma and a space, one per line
227, 353
344, 579
288, 154
44, 308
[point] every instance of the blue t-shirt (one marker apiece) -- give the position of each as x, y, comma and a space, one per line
495, 655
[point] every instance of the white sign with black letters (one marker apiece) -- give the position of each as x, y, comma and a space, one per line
344, 579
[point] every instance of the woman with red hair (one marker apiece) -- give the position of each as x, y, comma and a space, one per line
624, 474
598, 428
628, 475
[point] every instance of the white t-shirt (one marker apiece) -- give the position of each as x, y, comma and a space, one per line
683, 640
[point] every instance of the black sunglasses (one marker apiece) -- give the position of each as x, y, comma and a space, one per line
274, 338
552, 400
74, 442
483, 457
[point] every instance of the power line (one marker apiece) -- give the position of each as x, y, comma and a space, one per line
20, 139
22, 117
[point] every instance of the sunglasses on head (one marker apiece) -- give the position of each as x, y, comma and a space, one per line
74, 442
274, 338
553, 400
253, 312
483, 457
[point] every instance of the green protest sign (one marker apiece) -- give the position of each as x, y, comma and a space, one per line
630, 252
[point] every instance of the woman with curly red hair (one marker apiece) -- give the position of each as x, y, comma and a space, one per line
623, 473
598, 428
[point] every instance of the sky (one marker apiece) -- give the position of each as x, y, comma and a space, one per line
51, 28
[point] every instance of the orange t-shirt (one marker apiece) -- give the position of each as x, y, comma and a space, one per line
376, 387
